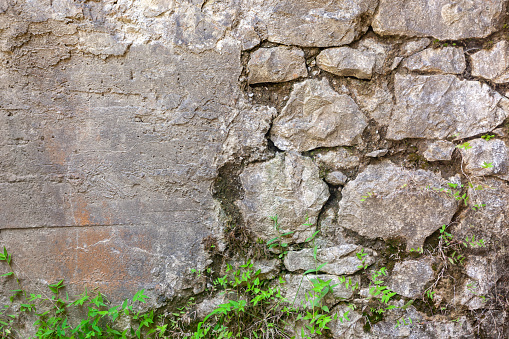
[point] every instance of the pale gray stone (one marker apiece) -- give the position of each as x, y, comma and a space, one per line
339, 158
336, 178
276, 64
340, 327
339, 260
492, 64
377, 153
409, 278
448, 60
483, 157
317, 116
441, 19
440, 150
346, 61
399, 203
297, 286
441, 106
246, 134
373, 97
483, 275
288, 186
314, 24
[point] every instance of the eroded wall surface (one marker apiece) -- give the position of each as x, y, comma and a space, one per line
138, 137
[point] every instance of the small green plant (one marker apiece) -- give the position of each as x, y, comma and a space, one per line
465, 145
487, 165
277, 243
488, 137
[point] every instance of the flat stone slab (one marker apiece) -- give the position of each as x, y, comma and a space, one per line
442, 19
484, 158
346, 61
446, 60
339, 260
315, 23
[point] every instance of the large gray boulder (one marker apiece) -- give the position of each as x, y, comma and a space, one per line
492, 64
441, 106
312, 23
399, 203
288, 186
338, 260
447, 60
276, 64
442, 19
317, 116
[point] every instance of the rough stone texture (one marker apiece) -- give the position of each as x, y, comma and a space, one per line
287, 186
311, 23
439, 106
492, 64
409, 278
336, 178
490, 222
482, 277
297, 286
276, 64
317, 116
374, 97
440, 18
346, 61
339, 158
440, 150
246, 134
414, 46
482, 153
448, 60
340, 259
400, 204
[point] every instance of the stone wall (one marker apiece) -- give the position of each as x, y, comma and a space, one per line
143, 138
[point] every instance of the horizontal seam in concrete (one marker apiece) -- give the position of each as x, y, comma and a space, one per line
67, 226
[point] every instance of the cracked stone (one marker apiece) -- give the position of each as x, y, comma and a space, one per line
276, 64
441, 19
492, 64
398, 203
441, 106
409, 278
288, 186
317, 116
447, 60
440, 150
414, 46
346, 61
486, 158
339, 259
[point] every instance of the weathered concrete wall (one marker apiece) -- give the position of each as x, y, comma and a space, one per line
134, 132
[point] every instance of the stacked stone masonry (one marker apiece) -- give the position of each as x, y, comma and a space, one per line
133, 132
